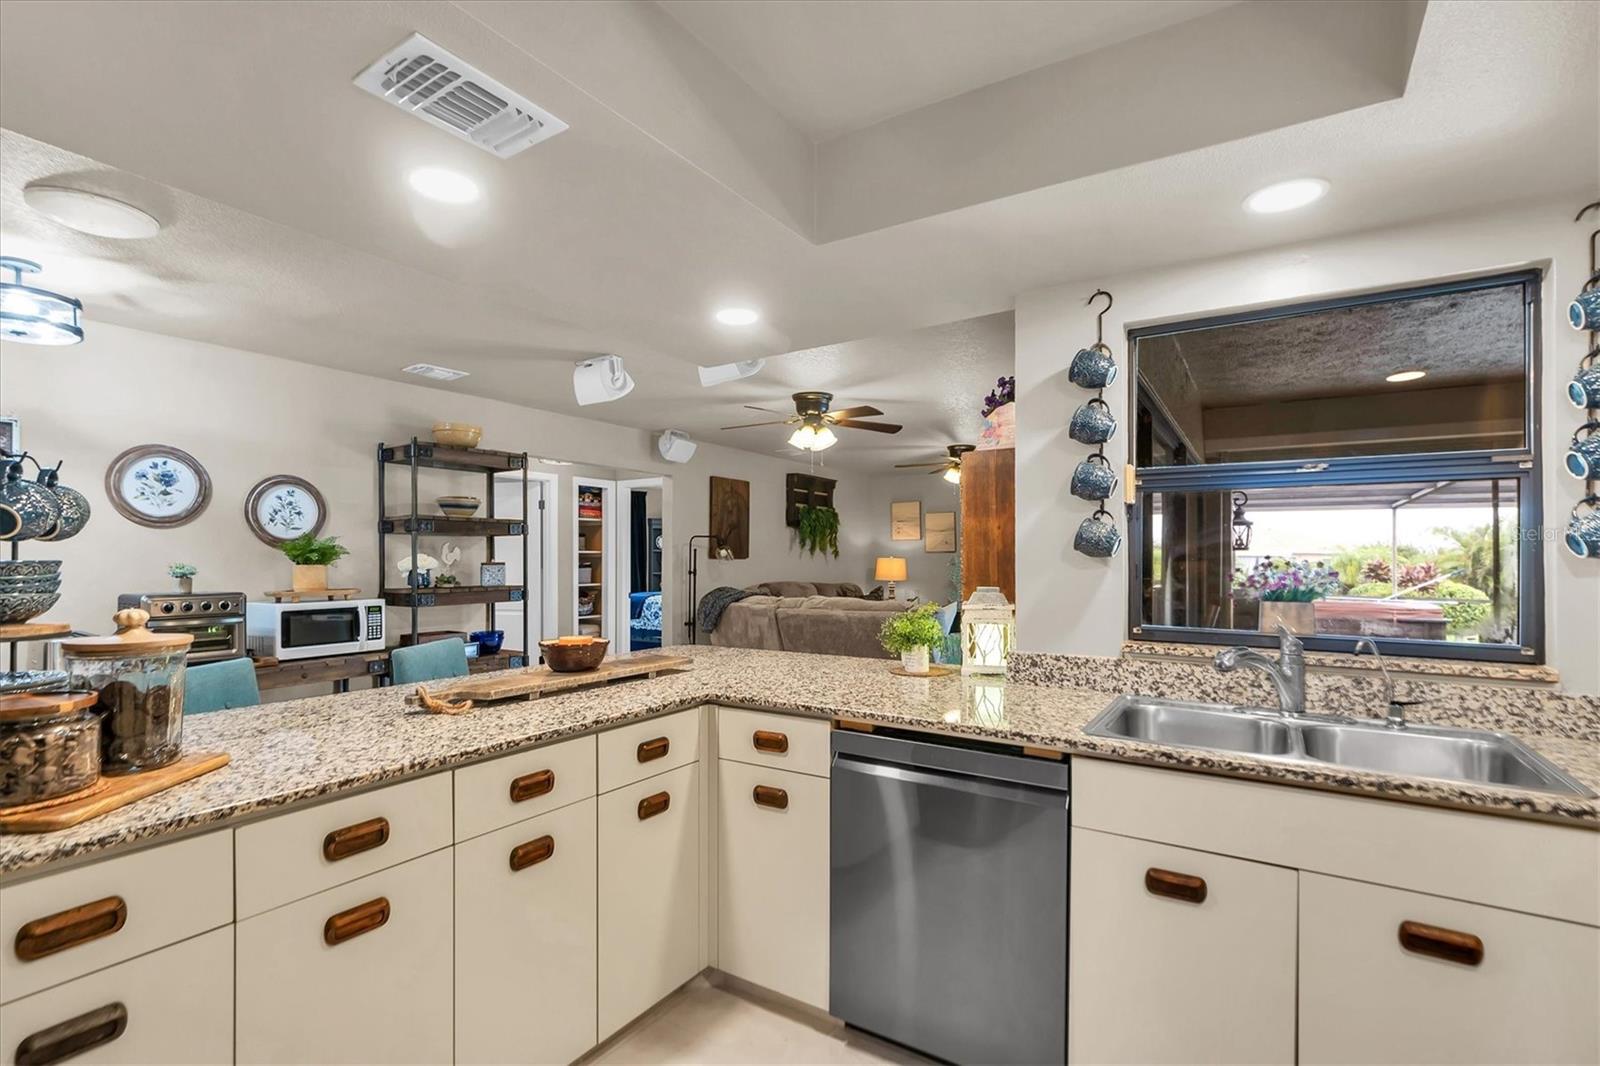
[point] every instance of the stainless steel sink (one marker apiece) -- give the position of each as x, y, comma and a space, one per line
1414, 751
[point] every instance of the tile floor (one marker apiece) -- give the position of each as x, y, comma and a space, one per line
722, 1023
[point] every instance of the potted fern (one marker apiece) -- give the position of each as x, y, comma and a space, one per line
911, 633
311, 556
818, 530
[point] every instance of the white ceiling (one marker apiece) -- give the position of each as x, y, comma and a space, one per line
833, 68
289, 228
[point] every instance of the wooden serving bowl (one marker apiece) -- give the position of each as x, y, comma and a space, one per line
573, 658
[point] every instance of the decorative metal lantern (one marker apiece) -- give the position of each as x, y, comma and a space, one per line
988, 627
1241, 525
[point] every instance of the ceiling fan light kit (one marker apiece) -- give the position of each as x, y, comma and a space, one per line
815, 422
949, 466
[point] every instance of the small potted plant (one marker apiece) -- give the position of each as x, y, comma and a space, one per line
1288, 592
185, 575
912, 633
311, 556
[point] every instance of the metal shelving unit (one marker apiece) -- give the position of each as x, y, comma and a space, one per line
419, 454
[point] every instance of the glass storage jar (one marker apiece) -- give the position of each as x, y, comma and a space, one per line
49, 747
139, 677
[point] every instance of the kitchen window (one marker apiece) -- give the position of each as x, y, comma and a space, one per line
1361, 467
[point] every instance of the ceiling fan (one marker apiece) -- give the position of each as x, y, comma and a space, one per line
815, 421
949, 466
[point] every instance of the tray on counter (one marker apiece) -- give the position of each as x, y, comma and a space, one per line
107, 795
536, 681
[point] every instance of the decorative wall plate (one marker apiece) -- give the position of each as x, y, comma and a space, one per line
158, 485
283, 507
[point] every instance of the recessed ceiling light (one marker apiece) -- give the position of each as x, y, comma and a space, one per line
1406, 375
445, 186
738, 316
90, 212
1286, 196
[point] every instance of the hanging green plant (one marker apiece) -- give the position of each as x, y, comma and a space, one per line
818, 530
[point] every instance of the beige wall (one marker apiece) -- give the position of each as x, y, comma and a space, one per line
926, 575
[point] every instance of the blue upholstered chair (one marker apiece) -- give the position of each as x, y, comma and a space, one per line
428, 662
218, 686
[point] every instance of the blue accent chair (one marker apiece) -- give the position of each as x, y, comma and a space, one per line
428, 662
219, 686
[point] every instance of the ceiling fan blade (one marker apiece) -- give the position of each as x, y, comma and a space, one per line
918, 466
758, 407
876, 427
753, 425
853, 412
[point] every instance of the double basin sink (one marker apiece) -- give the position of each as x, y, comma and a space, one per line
1467, 755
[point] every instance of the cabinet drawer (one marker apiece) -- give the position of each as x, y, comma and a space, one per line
1533, 996
781, 740
772, 898
633, 752
171, 1006
379, 995
1157, 976
290, 856
525, 940
83, 919
497, 793
649, 893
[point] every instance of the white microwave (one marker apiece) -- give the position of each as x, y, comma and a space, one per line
313, 630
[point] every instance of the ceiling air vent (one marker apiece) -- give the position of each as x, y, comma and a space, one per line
429, 82
434, 373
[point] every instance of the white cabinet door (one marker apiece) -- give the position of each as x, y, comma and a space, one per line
358, 973
649, 893
1393, 976
1178, 955
170, 1006
525, 940
772, 897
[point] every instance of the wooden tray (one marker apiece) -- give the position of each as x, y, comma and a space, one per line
33, 630
536, 681
108, 795
304, 595
934, 670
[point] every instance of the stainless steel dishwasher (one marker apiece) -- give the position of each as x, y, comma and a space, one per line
948, 928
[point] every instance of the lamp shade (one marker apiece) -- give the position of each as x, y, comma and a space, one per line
890, 568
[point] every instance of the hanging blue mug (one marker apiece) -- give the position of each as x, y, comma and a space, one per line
1583, 456
1584, 389
1583, 531
1094, 479
1093, 423
1098, 535
1584, 312
1093, 368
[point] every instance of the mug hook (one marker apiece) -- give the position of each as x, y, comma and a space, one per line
1099, 321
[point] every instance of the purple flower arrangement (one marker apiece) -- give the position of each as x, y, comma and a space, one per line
1004, 392
1282, 581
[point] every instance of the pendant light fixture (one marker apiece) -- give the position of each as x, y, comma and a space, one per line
35, 316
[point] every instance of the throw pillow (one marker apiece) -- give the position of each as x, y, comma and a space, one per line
875, 594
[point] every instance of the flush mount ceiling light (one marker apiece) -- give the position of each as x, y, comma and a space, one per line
90, 212
738, 316
1406, 375
445, 186
600, 380
35, 316
1286, 196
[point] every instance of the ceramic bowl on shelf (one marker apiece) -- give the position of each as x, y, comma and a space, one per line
19, 607
489, 640
30, 584
459, 506
30, 568
457, 434
570, 656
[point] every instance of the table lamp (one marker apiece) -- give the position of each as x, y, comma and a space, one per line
891, 568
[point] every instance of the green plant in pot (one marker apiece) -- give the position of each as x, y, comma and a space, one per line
818, 530
311, 556
184, 573
911, 634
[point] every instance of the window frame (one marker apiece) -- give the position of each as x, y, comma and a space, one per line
1522, 465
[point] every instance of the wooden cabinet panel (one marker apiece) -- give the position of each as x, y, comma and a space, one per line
1533, 997
382, 994
649, 893
176, 1006
782, 741
773, 880
643, 749
1156, 977
517, 787
989, 521
525, 940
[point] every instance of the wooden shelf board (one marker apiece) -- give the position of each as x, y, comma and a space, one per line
451, 595
33, 630
445, 525
440, 457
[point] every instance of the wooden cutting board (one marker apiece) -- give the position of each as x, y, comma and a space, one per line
536, 681
108, 795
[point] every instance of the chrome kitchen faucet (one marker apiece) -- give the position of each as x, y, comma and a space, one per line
1287, 671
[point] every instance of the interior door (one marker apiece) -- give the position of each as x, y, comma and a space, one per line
509, 616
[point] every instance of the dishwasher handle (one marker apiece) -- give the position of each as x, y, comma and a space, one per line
987, 788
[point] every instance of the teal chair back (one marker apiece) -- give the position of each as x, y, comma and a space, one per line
218, 686
428, 662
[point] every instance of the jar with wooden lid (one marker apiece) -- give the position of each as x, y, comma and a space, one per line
139, 678
49, 747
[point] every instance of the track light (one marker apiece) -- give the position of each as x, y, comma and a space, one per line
600, 380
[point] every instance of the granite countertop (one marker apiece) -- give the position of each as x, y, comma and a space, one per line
283, 753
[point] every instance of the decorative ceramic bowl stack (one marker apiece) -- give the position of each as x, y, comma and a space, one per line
28, 588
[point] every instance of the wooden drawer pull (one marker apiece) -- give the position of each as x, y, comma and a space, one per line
71, 1038
529, 786
362, 918
1447, 944
69, 928
533, 852
768, 796
354, 839
1187, 887
771, 742
651, 806
650, 750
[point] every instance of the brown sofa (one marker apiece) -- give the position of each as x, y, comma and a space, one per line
821, 618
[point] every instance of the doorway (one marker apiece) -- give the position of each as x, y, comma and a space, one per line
641, 537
